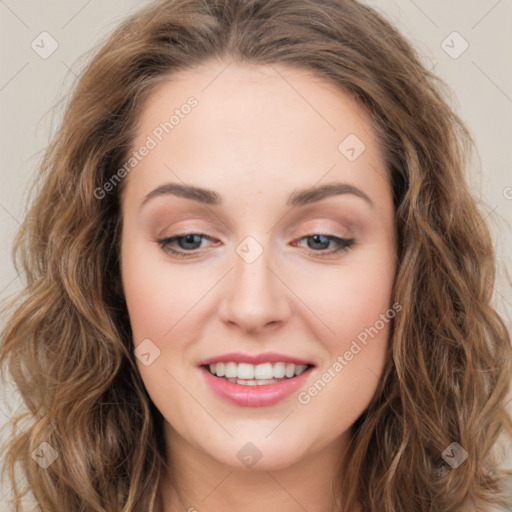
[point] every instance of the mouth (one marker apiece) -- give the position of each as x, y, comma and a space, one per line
264, 374
260, 385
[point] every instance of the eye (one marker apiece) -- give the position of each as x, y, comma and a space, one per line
319, 243
187, 243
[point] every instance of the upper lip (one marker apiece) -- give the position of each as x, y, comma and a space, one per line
267, 357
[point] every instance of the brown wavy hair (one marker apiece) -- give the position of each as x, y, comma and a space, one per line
67, 342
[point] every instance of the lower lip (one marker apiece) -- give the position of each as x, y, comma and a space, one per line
255, 396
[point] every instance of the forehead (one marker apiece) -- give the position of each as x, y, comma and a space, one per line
272, 125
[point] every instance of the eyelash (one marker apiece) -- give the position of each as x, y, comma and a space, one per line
344, 244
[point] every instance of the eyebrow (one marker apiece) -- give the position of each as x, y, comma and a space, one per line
300, 197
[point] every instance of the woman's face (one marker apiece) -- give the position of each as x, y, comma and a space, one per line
286, 253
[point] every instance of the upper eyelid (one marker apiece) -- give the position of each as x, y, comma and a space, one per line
300, 235
345, 230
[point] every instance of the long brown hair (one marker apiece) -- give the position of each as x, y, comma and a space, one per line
67, 342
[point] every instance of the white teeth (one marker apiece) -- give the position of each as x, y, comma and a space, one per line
221, 369
263, 371
231, 370
299, 369
256, 374
290, 370
279, 370
245, 371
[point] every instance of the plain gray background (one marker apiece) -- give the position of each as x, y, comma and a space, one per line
31, 82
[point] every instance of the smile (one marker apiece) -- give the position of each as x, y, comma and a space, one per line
256, 375
261, 385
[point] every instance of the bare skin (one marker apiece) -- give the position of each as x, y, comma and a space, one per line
257, 135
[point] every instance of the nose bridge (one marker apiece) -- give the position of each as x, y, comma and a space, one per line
254, 297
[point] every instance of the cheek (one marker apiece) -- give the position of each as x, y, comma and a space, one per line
354, 301
156, 300
357, 307
156, 296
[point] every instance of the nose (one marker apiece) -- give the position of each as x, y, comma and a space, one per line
255, 298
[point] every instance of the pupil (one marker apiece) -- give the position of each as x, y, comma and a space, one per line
317, 239
189, 239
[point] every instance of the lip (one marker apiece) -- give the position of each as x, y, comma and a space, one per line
254, 396
267, 357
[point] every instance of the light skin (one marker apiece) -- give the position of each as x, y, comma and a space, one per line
257, 135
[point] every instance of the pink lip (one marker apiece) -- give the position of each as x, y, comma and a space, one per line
254, 396
267, 357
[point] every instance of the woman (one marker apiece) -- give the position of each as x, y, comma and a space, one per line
256, 277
